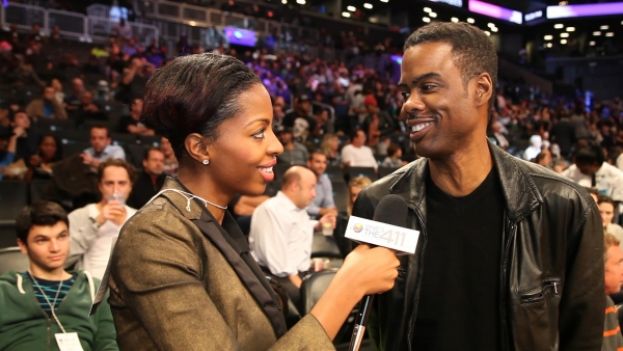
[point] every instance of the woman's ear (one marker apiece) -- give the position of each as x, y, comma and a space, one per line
196, 147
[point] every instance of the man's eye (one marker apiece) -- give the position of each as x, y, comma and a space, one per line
405, 95
428, 87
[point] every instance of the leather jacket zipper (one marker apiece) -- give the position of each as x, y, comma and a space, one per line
552, 285
507, 238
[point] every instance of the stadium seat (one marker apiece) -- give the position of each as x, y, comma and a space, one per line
314, 285
11, 259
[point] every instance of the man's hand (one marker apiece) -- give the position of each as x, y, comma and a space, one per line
113, 211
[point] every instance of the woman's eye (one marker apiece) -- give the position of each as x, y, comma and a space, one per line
259, 135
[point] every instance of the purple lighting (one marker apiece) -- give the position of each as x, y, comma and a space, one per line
613, 8
495, 11
239, 36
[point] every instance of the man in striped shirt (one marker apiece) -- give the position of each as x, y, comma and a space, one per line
613, 258
47, 306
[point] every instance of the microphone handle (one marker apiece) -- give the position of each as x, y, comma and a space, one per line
360, 325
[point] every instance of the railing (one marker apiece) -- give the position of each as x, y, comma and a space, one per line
71, 25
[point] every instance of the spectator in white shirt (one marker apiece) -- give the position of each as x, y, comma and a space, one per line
101, 147
281, 230
357, 154
94, 228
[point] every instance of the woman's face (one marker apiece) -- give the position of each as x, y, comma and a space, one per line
47, 148
244, 153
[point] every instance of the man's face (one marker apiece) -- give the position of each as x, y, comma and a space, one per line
48, 93
442, 111
115, 181
614, 270
317, 163
21, 120
47, 246
99, 139
360, 139
154, 164
588, 168
606, 210
306, 190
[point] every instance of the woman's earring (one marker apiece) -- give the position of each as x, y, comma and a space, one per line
206, 162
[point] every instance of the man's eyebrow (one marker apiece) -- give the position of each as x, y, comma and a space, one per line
419, 78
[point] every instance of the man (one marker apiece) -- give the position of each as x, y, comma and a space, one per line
46, 301
95, 227
613, 278
101, 148
357, 154
323, 202
606, 210
282, 232
294, 153
46, 107
506, 258
150, 180
591, 170
132, 124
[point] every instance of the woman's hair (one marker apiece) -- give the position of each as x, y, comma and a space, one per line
195, 94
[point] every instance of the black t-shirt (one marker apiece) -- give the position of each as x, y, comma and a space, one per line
460, 291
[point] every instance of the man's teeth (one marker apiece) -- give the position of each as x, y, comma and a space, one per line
266, 169
420, 126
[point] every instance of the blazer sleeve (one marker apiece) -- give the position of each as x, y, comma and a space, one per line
159, 270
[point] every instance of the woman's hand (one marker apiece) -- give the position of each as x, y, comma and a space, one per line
371, 270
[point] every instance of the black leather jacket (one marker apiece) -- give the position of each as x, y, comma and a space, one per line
552, 280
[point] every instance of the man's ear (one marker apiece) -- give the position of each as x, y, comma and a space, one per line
23, 248
196, 147
484, 89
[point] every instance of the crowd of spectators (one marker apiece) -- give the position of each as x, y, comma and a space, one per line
348, 107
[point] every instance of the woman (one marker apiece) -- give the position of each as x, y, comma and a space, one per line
182, 277
48, 152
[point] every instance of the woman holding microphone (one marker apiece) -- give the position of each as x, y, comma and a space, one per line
182, 277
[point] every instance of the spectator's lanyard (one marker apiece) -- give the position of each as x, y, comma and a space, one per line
58, 291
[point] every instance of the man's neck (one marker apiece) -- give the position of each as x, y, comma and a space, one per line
53, 275
462, 172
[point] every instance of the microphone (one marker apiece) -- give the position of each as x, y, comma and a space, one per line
392, 210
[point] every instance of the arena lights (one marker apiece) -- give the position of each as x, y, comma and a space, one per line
285, 2
488, 33
610, 34
549, 45
548, 37
433, 14
563, 41
346, 14
425, 19
457, 3
368, 6
456, 20
351, 8
604, 27
427, 9
564, 35
495, 11
384, 0
596, 33
585, 10
591, 43
301, 2
494, 29
470, 20
559, 26
570, 29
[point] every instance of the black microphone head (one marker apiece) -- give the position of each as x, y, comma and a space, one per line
392, 209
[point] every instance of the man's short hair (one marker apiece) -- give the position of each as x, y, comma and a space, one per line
316, 152
149, 150
605, 199
116, 162
45, 213
472, 49
100, 126
609, 241
293, 175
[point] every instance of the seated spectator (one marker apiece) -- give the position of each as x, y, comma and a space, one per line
282, 232
591, 170
357, 154
170, 161
330, 146
101, 148
132, 123
323, 201
545, 158
46, 301
294, 153
150, 180
613, 280
394, 157
72, 100
88, 110
355, 186
536, 144
48, 152
8, 144
94, 228
47, 106
607, 211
